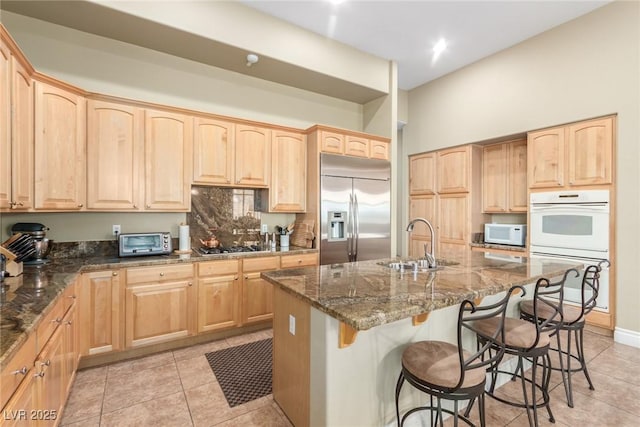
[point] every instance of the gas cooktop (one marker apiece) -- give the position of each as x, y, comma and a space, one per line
230, 249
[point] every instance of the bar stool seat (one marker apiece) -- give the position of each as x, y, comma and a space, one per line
570, 313
518, 333
437, 363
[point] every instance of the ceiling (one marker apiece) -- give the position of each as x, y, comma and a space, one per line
402, 31
406, 31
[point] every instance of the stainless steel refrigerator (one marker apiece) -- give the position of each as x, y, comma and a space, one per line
355, 209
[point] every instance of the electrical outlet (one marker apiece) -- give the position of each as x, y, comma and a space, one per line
115, 229
292, 325
264, 228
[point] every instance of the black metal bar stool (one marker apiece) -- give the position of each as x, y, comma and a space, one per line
572, 322
527, 341
447, 371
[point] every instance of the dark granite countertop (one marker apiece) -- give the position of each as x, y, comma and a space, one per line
367, 294
25, 299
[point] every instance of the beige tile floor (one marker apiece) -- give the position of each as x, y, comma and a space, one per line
177, 388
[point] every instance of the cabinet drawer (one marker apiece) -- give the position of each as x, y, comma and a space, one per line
48, 325
16, 369
260, 264
302, 260
157, 274
331, 142
217, 268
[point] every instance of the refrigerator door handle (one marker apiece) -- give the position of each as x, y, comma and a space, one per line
350, 229
356, 226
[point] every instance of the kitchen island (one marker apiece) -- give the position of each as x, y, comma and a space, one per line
339, 330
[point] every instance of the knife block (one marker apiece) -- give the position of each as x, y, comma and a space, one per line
13, 268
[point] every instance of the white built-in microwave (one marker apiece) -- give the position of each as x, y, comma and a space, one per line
505, 234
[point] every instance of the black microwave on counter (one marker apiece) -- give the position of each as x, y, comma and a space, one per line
140, 244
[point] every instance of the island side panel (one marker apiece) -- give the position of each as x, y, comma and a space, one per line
291, 362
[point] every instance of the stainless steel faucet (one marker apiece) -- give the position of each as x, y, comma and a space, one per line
430, 257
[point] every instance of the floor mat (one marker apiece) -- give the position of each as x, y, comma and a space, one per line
244, 371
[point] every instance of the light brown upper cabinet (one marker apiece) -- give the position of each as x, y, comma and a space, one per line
349, 143
289, 172
573, 155
590, 152
357, 146
453, 169
60, 154
422, 173
214, 151
253, 156
168, 153
504, 177
379, 149
115, 149
331, 142
16, 130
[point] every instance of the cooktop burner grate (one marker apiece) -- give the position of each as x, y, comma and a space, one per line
229, 249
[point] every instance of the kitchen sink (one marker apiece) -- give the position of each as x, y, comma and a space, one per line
419, 264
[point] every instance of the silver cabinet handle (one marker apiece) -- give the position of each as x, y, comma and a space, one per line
47, 363
190, 283
246, 277
72, 296
22, 371
115, 273
69, 322
57, 320
80, 205
161, 274
39, 374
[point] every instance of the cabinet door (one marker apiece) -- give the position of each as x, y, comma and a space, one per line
60, 156
21, 137
115, 135
379, 149
168, 144
518, 199
494, 178
545, 158
453, 218
17, 412
159, 312
213, 151
257, 293
423, 206
357, 146
453, 170
101, 311
253, 156
287, 192
590, 152
422, 174
5, 126
50, 382
331, 142
218, 302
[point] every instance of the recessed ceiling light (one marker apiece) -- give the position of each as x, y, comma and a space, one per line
438, 48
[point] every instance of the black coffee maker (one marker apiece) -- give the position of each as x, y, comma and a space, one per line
41, 245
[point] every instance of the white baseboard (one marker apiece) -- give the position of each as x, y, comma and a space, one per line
627, 337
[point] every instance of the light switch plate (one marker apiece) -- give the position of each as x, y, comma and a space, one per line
264, 228
292, 325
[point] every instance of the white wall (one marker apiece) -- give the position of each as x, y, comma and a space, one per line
588, 67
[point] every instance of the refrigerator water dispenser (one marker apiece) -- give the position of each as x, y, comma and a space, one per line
337, 226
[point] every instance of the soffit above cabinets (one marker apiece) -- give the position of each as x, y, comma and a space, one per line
115, 24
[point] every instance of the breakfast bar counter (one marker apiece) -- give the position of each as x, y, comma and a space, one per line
339, 330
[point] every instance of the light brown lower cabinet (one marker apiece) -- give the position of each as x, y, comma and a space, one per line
101, 312
257, 293
159, 304
218, 295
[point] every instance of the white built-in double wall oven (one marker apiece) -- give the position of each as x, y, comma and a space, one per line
572, 225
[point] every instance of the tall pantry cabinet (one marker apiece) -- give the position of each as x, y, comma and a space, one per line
445, 189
